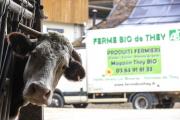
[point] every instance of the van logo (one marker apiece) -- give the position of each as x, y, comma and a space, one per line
174, 34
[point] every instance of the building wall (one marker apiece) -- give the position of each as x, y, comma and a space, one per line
66, 11
71, 31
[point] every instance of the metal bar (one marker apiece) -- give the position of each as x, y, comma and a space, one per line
107, 100
1, 105
18, 9
6, 101
4, 63
162, 16
27, 3
10, 82
100, 8
8, 98
152, 5
2, 45
4, 108
94, 16
101, 2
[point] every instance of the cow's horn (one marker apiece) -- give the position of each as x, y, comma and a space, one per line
76, 56
29, 30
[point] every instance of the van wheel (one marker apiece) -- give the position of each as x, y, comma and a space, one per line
57, 101
143, 101
80, 105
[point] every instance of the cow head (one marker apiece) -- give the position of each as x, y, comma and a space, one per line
48, 59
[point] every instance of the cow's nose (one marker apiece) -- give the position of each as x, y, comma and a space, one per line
39, 91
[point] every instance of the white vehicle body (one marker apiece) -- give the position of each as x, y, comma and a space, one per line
129, 63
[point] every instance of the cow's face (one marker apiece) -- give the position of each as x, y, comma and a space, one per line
52, 56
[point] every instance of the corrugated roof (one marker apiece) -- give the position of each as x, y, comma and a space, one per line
118, 14
155, 11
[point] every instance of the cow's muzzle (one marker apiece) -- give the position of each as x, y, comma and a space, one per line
37, 93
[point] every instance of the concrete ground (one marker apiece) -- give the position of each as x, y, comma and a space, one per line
111, 112
118, 106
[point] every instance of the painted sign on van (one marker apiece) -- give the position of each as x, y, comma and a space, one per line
134, 60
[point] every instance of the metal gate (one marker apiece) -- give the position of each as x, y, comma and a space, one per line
15, 15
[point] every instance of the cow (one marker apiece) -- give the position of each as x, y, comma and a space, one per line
38, 67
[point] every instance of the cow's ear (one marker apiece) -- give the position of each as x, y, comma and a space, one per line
75, 71
20, 44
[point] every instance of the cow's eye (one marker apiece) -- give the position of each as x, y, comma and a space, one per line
64, 67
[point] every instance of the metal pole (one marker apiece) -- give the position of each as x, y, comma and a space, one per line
108, 9
94, 16
27, 3
18, 9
